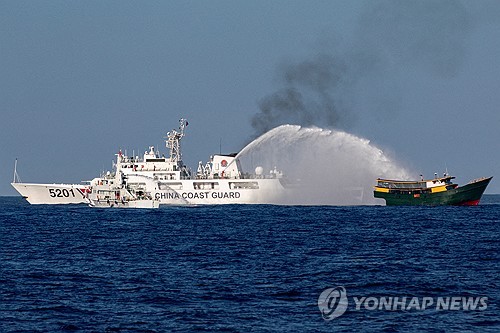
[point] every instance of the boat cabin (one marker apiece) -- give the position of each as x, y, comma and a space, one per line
431, 186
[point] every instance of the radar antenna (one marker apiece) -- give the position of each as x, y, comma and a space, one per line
173, 141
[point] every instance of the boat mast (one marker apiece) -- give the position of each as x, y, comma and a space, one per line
173, 141
16, 176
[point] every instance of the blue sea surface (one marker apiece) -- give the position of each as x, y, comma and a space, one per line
241, 268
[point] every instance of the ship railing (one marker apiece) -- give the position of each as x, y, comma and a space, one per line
391, 185
477, 180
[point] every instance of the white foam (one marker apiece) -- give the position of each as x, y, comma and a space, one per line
334, 167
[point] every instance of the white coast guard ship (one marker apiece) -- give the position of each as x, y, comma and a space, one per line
166, 180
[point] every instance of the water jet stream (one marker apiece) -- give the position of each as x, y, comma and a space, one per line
332, 167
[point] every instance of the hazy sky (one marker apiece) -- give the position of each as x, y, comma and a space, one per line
81, 79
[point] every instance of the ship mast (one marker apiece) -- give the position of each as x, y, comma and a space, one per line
16, 176
173, 141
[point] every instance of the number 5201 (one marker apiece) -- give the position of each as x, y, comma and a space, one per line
61, 193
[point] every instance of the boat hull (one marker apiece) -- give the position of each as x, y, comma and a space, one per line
51, 194
145, 204
468, 195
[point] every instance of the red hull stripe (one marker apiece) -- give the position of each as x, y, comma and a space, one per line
470, 203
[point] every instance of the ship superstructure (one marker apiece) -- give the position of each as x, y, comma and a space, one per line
218, 181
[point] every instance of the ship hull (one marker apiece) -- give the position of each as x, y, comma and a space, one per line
184, 192
51, 194
225, 191
468, 195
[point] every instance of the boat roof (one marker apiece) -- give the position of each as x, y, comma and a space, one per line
414, 181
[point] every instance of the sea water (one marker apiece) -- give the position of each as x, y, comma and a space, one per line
241, 268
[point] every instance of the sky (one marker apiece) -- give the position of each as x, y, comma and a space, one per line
80, 80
